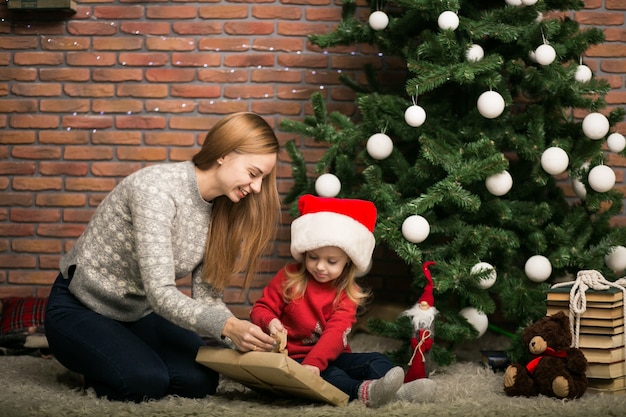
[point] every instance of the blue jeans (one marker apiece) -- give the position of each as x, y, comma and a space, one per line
349, 370
146, 359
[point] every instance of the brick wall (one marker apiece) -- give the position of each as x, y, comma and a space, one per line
87, 99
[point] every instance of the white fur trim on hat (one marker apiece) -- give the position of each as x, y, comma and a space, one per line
316, 230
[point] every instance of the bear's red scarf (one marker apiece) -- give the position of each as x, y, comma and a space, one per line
532, 365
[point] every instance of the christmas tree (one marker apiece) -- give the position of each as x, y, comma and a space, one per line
466, 157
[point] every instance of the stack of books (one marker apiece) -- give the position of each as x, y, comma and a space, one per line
601, 336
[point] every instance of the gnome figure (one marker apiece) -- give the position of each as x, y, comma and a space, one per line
422, 316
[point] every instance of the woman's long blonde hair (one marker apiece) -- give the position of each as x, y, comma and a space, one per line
240, 232
295, 284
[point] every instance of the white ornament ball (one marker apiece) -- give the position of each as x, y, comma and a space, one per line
327, 185
529, 2
476, 318
616, 142
554, 160
378, 20
379, 146
499, 184
583, 74
513, 2
595, 125
488, 281
490, 104
545, 54
474, 53
616, 259
448, 20
538, 268
601, 178
415, 116
415, 228
579, 188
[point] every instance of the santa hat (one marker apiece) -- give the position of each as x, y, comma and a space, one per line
345, 223
427, 295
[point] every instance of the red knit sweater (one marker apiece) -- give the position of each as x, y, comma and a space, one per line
316, 331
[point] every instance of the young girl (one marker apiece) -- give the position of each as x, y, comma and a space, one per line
115, 314
316, 300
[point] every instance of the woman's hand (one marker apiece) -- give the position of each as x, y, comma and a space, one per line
247, 336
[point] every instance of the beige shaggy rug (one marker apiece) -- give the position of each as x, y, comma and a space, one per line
37, 387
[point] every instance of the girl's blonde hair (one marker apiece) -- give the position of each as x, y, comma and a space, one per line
295, 284
239, 232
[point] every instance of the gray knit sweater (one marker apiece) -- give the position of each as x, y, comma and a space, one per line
149, 231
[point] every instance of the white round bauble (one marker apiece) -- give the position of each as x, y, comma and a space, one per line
616, 142
513, 2
327, 185
476, 318
579, 188
448, 20
487, 282
379, 146
529, 2
616, 259
415, 228
474, 53
499, 184
554, 160
583, 74
415, 116
545, 54
538, 268
601, 178
490, 104
595, 125
378, 20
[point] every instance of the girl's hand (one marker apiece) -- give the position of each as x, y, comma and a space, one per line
247, 336
275, 327
313, 369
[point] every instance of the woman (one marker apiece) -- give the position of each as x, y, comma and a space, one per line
115, 314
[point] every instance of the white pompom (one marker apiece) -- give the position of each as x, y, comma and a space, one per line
490, 104
415, 228
513, 2
583, 74
529, 2
595, 125
476, 318
579, 188
538, 268
474, 53
554, 160
545, 54
488, 281
379, 146
327, 185
378, 20
601, 178
616, 142
499, 184
415, 116
448, 20
616, 259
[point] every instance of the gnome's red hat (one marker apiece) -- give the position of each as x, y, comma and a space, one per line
427, 295
326, 221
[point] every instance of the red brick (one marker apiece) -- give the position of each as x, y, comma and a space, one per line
170, 139
30, 215
19, 121
17, 261
37, 58
64, 74
170, 75
32, 277
277, 12
116, 138
223, 12
18, 74
87, 122
91, 28
64, 106
89, 90
171, 12
142, 154
230, 44
36, 246
197, 91
66, 43
119, 43
170, 106
118, 12
117, 106
91, 59
37, 184
75, 137
18, 106
17, 168
143, 59
142, 90
114, 169
36, 89
88, 153
197, 28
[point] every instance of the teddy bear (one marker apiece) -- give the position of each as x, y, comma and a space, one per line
556, 370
